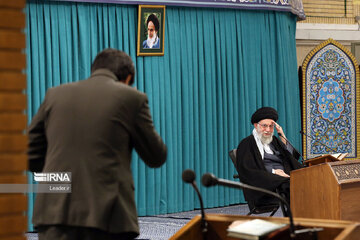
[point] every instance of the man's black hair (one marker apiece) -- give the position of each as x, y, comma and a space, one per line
153, 18
117, 62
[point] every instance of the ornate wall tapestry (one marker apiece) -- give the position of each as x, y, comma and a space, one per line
331, 101
294, 6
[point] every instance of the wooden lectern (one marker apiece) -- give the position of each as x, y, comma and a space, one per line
218, 224
327, 189
320, 159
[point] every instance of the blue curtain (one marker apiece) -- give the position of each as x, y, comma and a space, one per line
219, 66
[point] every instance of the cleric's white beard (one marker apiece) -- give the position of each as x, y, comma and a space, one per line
151, 41
264, 139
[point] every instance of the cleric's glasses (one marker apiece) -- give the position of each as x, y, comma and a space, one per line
265, 126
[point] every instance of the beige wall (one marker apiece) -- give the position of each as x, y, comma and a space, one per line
336, 19
331, 11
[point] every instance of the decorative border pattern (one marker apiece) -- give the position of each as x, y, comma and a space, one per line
331, 101
345, 172
293, 6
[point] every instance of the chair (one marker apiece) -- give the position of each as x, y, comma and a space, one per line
256, 208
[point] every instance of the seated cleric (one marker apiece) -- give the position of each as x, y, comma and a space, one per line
264, 160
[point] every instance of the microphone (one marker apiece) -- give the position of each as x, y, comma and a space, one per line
302, 157
209, 180
188, 176
318, 141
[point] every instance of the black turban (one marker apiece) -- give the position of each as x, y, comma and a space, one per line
264, 113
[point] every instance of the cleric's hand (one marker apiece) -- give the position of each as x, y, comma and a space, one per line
280, 172
280, 132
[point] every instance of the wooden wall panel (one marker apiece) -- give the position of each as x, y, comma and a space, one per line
13, 140
19, 4
12, 81
12, 101
12, 60
12, 39
13, 203
10, 143
19, 237
9, 178
12, 162
10, 224
12, 18
11, 122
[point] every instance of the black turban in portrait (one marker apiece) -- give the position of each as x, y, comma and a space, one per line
264, 113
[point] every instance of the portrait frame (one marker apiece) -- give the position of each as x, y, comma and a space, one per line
142, 47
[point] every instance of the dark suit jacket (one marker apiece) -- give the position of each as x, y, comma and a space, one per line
89, 128
252, 171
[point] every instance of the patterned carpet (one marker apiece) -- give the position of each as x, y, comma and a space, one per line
162, 227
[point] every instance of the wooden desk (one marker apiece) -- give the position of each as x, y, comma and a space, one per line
218, 223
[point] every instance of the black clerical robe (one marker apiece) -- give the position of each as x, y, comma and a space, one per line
252, 171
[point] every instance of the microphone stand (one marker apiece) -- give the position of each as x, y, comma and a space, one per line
209, 179
203, 221
188, 176
302, 158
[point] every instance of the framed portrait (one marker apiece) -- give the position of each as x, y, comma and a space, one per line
151, 30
